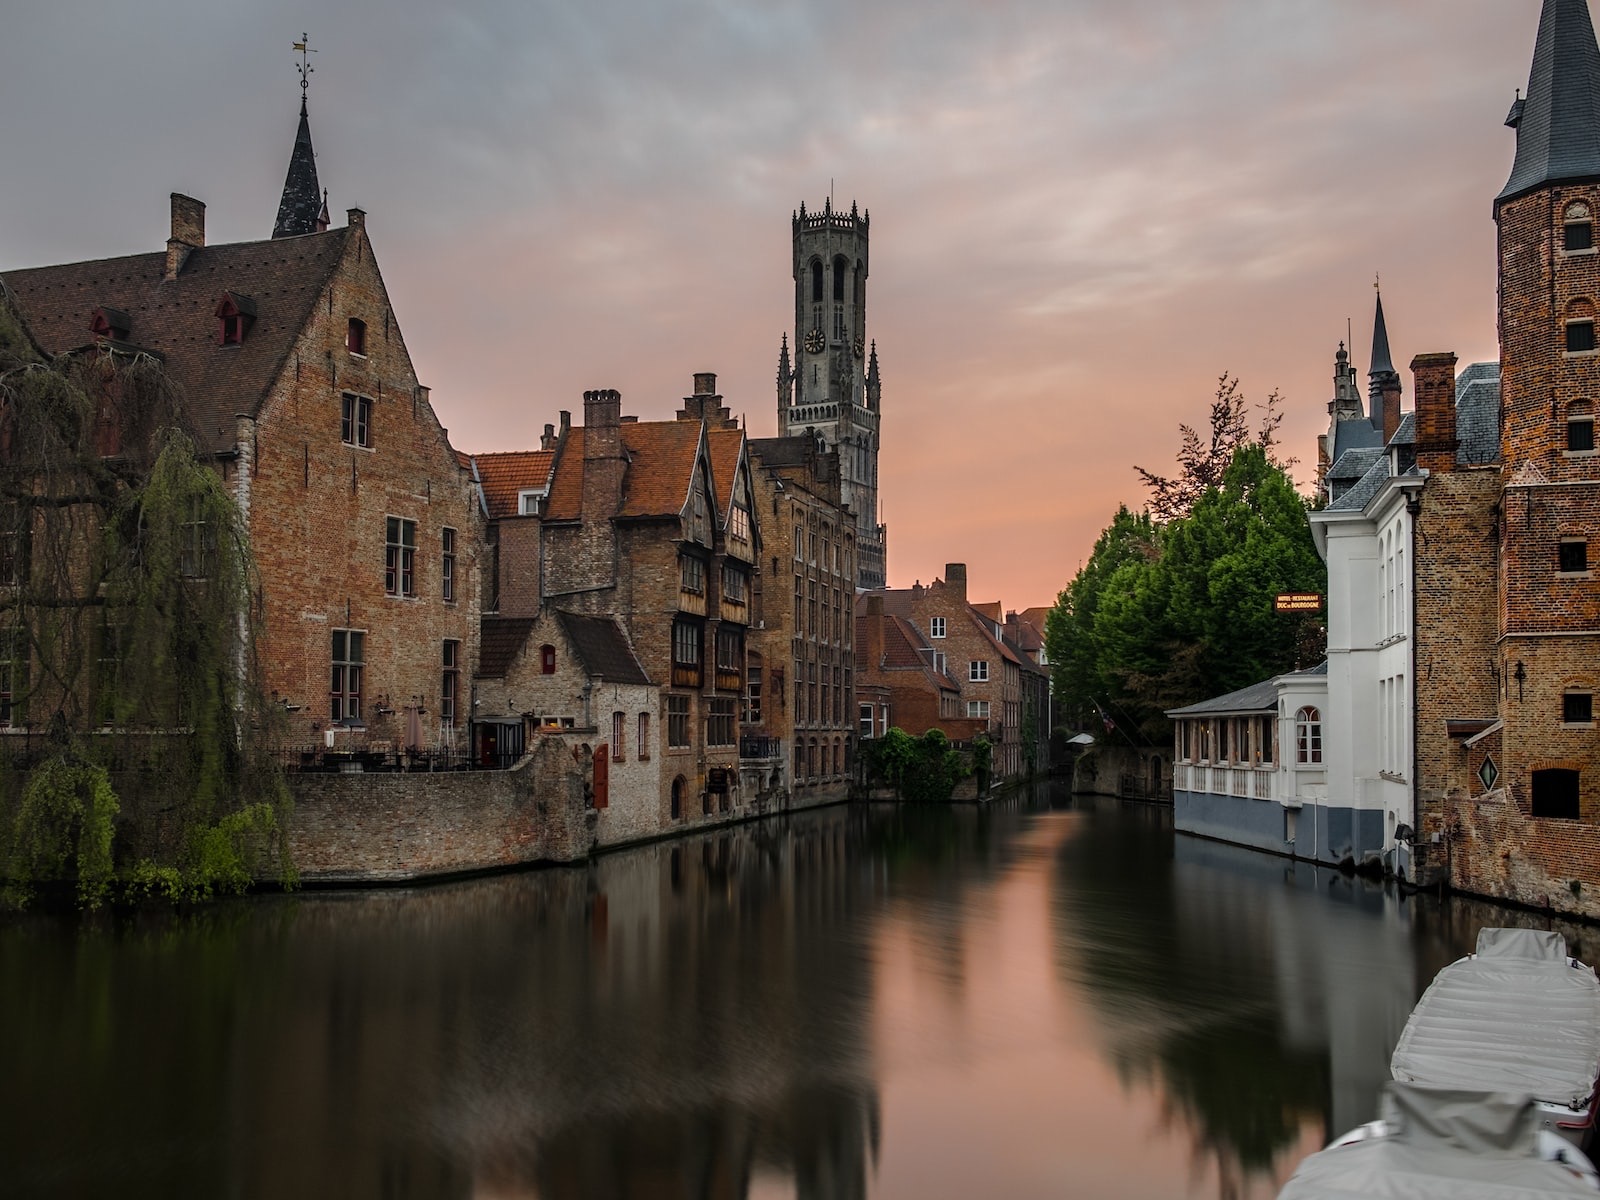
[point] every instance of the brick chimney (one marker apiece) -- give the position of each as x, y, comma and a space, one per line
706, 404
604, 463
1391, 407
869, 635
188, 232
548, 441
1434, 389
955, 579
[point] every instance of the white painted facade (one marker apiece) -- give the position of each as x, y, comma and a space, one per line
1369, 726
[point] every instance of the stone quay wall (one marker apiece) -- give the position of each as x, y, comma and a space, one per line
1495, 848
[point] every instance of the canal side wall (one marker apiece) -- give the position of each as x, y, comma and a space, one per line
1495, 848
401, 827
1318, 833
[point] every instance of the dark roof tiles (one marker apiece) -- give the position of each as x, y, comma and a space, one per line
603, 648
1558, 124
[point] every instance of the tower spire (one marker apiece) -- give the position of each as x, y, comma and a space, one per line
303, 201
1558, 121
1381, 375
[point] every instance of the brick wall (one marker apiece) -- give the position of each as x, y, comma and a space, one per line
318, 506
1495, 848
371, 828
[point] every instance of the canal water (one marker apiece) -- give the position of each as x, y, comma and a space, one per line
1032, 999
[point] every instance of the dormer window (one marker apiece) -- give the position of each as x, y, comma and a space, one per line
235, 314
110, 323
1577, 228
528, 501
355, 337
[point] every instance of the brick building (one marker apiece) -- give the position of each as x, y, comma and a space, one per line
902, 683
1459, 550
805, 631
968, 644
292, 367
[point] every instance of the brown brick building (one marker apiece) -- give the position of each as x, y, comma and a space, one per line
291, 364
899, 686
806, 634
967, 643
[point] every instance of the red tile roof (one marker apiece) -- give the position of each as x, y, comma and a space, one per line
284, 277
661, 459
994, 610
726, 446
505, 476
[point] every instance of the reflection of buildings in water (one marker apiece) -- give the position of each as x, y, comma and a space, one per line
1259, 993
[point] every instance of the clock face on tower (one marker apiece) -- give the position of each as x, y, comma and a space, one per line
814, 342
859, 348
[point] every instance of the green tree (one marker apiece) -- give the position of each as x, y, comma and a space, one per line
1202, 462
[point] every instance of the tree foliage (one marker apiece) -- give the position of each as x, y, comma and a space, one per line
924, 769
128, 609
1203, 461
1176, 604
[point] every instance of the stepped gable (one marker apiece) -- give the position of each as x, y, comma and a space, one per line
178, 317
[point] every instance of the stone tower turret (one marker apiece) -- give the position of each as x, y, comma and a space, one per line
826, 391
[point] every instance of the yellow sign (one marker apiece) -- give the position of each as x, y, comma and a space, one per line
1298, 602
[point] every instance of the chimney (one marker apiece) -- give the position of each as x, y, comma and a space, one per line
602, 414
1391, 407
356, 218
869, 637
548, 441
604, 462
188, 232
955, 578
1434, 394
706, 405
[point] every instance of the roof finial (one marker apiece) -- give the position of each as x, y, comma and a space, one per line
304, 67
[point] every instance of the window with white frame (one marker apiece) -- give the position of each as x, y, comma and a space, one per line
936, 627
978, 672
978, 708
1308, 735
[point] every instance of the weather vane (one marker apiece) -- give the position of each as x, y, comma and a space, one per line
305, 68
1376, 280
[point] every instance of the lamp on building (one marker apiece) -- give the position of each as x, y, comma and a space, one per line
1521, 676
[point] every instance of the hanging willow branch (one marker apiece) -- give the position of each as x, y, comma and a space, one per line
128, 612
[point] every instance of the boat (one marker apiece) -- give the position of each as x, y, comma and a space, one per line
1447, 1144
1518, 1015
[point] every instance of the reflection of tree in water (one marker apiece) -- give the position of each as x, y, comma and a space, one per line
1187, 1001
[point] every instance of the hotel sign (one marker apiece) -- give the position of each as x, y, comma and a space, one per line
1289, 602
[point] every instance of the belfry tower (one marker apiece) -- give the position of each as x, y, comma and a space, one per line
831, 387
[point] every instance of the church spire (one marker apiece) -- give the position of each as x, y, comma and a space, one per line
1382, 376
303, 201
785, 378
1558, 122
874, 383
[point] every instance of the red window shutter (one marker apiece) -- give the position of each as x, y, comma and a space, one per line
602, 775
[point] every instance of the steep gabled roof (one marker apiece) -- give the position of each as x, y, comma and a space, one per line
603, 648
501, 641
1558, 125
727, 451
661, 462
905, 649
506, 476
178, 317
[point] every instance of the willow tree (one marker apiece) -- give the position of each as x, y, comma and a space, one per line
128, 608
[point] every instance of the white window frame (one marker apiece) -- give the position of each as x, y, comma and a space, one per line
978, 671
936, 627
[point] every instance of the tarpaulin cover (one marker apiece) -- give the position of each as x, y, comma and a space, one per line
1517, 1017
1443, 1144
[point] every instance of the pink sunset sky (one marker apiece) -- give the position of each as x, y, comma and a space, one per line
1083, 211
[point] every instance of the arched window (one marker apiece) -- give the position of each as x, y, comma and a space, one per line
547, 660
1308, 735
1580, 426
816, 281
841, 270
678, 786
1577, 228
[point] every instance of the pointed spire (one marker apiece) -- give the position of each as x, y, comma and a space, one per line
1558, 122
874, 383
304, 204
785, 380
1381, 376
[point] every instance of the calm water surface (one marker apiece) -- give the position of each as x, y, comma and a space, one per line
1029, 1000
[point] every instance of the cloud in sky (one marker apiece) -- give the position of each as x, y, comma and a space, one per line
1083, 210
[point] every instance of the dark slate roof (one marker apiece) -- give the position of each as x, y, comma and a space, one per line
1558, 125
1356, 497
1382, 364
302, 197
502, 641
178, 318
1257, 698
1478, 414
781, 451
1357, 434
1405, 433
1353, 464
603, 648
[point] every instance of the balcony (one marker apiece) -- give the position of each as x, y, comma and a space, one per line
756, 747
1246, 781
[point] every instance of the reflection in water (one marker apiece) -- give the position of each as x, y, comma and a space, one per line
886, 1002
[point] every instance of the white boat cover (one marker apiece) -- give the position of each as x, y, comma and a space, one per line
1516, 1017
1442, 1144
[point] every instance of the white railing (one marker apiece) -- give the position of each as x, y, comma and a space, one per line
1244, 781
